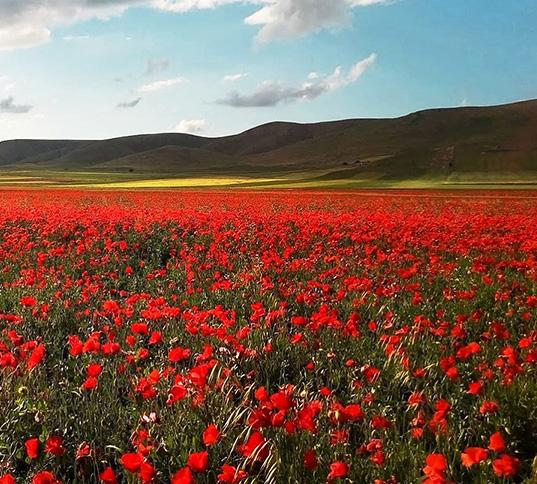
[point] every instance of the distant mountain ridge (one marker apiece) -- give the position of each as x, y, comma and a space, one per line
466, 139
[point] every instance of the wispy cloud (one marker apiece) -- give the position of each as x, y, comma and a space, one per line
234, 77
8, 106
158, 85
192, 126
271, 93
129, 104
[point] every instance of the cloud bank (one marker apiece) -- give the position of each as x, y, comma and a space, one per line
28, 23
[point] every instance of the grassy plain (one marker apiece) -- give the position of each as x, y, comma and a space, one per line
338, 178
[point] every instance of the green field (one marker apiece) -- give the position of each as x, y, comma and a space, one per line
313, 179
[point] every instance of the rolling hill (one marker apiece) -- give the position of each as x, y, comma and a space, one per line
452, 144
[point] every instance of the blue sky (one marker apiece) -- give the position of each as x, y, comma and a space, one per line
105, 68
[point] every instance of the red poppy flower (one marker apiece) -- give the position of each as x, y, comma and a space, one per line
261, 394
353, 412
94, 370
416, 399
310, 460
436, 466
155, 338
28, 301
255, 447
496, 442
32, 448
54, 446
211, 435
177, 393
45, 477
84, 450
108, 476
199, 461
473, 455
380, 422
338, 470
378, 458
183, 476
7, 479
488, 407
282, 400
437, 462
36, 357
198, 375
231, 475
475, 388
147, 472
506, 466
178, 354
90, 383
132, 462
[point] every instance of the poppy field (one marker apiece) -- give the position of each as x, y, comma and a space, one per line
268, 337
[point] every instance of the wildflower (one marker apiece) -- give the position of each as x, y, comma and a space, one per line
54, 446
506, 466
310, 460
198, 461
36, 357
338, 470
496, 442
473, 455
132, 462
32, 448
183, 476
108, 476
211, 435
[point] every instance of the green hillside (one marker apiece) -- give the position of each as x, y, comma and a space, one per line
458, 146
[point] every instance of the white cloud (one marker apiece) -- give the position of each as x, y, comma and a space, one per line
234, 77
158, 85
360, 67
191, 126
22, 36
27, 23
271, 93
287, 19
182, 6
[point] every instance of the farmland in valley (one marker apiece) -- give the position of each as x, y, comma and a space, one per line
268, 337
